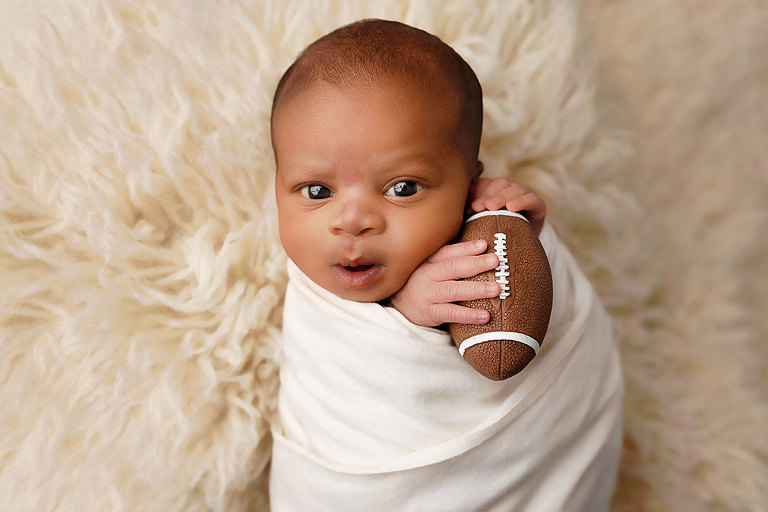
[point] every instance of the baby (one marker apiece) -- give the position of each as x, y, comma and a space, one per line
376, 130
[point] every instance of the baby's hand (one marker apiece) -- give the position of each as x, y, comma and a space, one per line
492, 194
427, 297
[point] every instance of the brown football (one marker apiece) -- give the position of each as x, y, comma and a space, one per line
520, 315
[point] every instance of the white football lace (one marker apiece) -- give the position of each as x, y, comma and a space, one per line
502, 271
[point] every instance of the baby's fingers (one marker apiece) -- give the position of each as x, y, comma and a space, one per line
485, 189
452, 291
503, 197
452, 269
453, 313
528, 202
446, 252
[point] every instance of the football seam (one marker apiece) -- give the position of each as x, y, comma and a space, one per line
502, 269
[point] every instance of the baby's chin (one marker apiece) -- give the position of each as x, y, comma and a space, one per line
364, 295
379, 292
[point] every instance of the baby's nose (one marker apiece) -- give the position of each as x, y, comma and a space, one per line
356, 216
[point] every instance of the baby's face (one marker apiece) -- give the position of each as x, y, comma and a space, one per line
368, 185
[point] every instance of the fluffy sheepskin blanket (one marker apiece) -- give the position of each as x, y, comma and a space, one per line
141, 277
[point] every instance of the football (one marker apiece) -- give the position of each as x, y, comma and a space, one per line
519, 319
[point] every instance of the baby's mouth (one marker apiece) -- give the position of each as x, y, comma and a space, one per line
358, 268
356, 264
355, 273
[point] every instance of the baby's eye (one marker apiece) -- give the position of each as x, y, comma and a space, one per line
403, 189
316, 192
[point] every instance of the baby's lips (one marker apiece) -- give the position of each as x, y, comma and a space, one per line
357, 276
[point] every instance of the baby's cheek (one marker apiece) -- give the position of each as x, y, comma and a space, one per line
444, 231
287, 239
297, 242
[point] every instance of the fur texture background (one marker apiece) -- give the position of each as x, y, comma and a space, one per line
141, 276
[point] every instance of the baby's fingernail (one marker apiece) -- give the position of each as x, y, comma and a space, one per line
490, 259
491, 288
494, 203
482, 316
479, 244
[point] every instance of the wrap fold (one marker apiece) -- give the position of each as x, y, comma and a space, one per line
380, 414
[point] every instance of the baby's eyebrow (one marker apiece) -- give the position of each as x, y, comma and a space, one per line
428, 166
419, 160
301, 171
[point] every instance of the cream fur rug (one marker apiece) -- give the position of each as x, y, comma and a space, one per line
141, 278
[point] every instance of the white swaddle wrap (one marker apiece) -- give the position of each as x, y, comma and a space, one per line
380, 414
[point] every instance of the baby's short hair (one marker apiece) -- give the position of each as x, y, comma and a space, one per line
369, 52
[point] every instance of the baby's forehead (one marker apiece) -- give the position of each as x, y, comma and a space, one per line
394, 105
431, 91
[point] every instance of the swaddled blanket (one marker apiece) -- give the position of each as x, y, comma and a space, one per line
380, 414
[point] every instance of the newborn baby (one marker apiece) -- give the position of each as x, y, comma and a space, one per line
376, 130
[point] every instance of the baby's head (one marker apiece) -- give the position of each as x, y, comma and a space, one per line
376, 130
